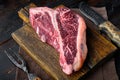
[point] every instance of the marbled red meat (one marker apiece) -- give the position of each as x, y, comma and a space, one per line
65, 30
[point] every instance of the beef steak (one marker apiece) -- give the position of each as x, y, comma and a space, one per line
65, 30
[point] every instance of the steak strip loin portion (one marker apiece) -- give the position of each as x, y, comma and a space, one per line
65, 30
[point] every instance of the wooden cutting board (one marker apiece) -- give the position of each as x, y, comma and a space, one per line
99, 49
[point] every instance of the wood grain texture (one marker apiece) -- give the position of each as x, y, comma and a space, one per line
48, 58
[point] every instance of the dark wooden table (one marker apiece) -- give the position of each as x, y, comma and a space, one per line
9, 22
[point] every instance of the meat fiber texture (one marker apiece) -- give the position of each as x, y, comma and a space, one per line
65, 30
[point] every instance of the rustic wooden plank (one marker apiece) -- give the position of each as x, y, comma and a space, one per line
47, 57
26, 38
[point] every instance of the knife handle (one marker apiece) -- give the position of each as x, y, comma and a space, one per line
112, 32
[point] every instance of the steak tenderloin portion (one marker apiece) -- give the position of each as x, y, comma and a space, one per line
65, 30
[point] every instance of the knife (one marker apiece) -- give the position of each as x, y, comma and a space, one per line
103, 25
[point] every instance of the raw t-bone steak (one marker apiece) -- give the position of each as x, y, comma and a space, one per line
65, 30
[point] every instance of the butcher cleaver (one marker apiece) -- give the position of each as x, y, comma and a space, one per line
103, 25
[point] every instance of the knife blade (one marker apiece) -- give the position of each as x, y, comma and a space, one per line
103, 25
